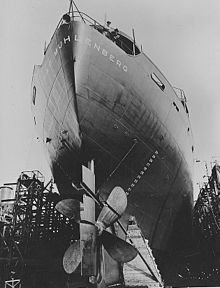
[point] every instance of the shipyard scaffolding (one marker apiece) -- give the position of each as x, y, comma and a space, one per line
199, 264
204, 264
33, 235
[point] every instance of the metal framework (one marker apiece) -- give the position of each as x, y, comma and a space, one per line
32, 221
206, 220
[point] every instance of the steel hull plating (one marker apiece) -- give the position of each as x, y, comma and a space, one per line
93, 101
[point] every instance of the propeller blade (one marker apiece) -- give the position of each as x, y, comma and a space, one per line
117, 248
72, 257
69, 208
115, 207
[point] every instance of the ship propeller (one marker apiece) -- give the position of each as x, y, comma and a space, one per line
69, 208
112, 209
117, 248
72, 257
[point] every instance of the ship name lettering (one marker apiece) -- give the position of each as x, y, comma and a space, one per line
76, 38
118, 63
66, 39
125, 68
97, 47
104, 52
111, 57
60, 45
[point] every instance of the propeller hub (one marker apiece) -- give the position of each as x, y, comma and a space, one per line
100, 227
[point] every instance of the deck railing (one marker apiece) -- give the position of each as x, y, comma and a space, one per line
82, 17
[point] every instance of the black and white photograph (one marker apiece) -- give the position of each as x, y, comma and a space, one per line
110, 146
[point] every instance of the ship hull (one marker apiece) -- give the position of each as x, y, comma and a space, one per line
93, 101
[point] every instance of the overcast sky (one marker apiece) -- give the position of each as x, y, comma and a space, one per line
182, 37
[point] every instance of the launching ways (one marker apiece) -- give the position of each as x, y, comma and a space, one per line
35, 236
136, 272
